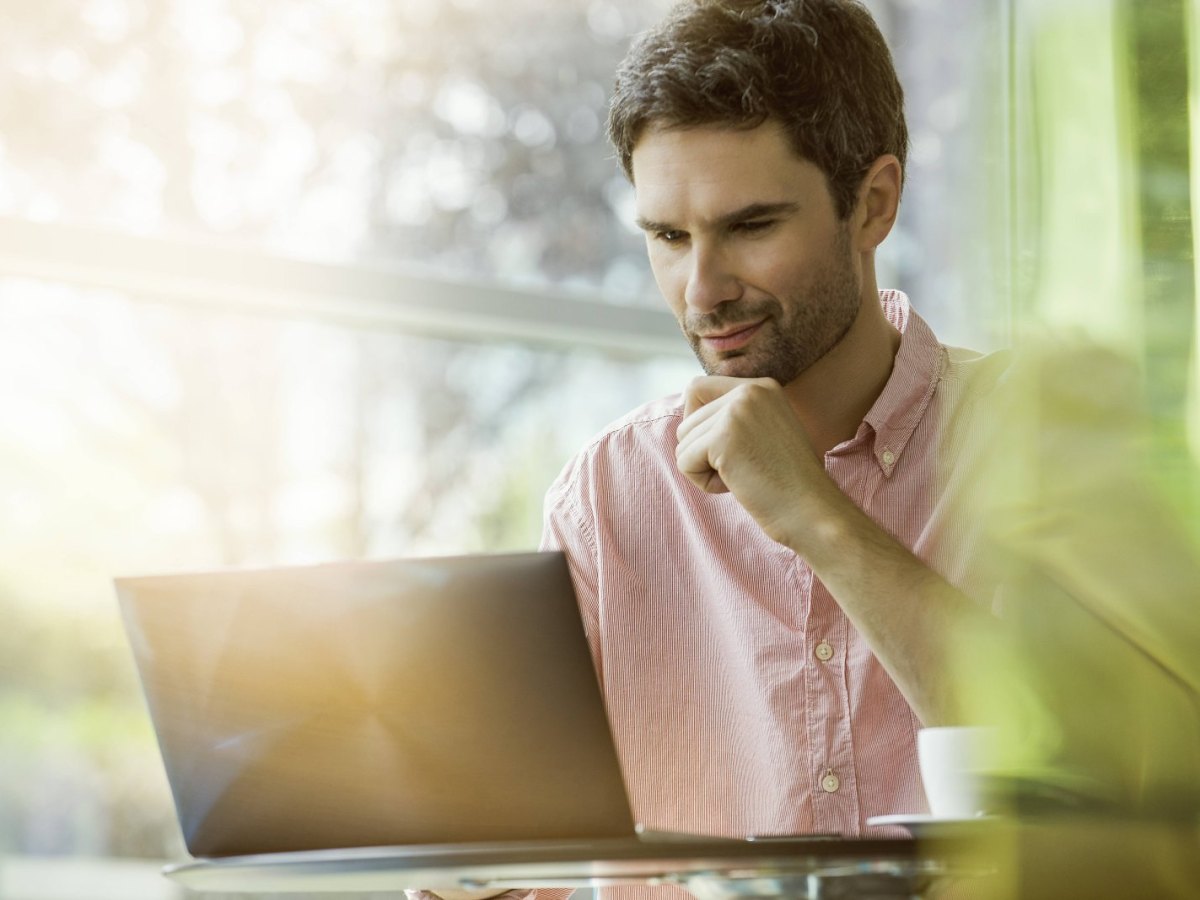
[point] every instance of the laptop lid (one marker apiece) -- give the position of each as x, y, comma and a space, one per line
443, 700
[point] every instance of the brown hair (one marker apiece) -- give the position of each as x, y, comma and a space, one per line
818, 67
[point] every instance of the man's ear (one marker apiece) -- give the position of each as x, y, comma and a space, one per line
878, 203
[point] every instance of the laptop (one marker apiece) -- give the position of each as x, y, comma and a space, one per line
421, 701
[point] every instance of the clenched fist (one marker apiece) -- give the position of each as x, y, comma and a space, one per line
741, 435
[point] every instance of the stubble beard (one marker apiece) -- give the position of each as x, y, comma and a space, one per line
793, 335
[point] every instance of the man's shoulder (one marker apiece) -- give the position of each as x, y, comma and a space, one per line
976, 372
970, 393
648, 425
639, 443
618, 466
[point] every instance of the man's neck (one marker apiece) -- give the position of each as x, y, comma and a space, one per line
834, 395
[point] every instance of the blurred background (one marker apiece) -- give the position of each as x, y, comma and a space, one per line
287, 281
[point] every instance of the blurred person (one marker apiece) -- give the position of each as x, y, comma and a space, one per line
1099, 596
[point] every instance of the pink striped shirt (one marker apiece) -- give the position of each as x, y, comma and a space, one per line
742, 700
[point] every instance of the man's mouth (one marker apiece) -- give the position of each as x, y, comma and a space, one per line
731, 338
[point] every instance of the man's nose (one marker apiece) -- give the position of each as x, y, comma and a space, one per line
711, 280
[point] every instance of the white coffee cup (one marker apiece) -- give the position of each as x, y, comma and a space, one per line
953, 762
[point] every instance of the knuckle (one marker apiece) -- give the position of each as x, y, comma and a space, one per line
752, 392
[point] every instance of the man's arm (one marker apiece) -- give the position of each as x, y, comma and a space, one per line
742, 436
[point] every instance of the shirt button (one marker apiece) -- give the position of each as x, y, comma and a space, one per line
888, 457
830, 783
824, 652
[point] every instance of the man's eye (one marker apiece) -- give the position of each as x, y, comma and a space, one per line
754, 225
669, 237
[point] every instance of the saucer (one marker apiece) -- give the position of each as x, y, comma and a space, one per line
924, 826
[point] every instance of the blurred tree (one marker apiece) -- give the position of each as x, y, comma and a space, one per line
461, 135
1158, 72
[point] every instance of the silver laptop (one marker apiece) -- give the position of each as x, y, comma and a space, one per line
424, 701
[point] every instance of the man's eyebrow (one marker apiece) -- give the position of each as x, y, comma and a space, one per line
752, 211
650, 225
756, 211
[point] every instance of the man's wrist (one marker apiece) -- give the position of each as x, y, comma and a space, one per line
818, 530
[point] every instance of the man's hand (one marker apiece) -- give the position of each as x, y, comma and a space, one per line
741, 435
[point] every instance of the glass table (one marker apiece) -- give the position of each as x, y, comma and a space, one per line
804, 868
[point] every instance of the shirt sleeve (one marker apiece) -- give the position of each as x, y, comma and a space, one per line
568, 527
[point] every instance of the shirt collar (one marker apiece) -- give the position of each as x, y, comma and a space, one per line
915, 374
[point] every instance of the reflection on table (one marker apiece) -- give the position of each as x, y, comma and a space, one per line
796, 867
1064, 857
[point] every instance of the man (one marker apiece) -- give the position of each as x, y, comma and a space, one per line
760, 562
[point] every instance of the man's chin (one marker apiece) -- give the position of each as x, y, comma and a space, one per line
733, 367
746, 367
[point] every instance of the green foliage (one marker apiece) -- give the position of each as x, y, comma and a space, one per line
1158, 50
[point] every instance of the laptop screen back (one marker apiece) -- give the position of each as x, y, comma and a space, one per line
378, 703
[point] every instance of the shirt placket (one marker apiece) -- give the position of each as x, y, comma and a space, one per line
831, 762
832, 772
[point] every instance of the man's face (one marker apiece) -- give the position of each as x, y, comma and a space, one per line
746, 247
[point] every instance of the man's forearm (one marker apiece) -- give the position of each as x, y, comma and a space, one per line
912, 618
